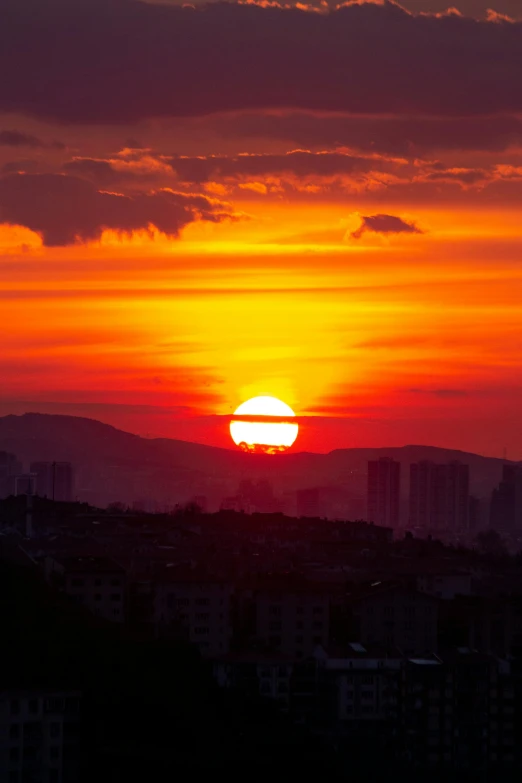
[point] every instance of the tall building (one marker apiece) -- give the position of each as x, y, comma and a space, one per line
478, 513
54, 480
307, 502
439, 495
506, 500
383, 499
9, 468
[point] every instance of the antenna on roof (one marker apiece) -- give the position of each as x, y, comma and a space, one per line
29, 510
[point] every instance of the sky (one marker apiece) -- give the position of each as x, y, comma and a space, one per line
204, 203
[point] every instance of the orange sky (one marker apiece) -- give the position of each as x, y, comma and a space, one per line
413, 338
155, 273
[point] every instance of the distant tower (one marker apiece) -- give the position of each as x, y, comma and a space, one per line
29, 513
383, 498
9, 468
54, 480
439, 495
42, 471
421, 494
25, 485
506, 500
308, 502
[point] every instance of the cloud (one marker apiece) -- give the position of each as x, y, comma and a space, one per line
132, 167
133, 144
65, 209
26, 166
167, 61
15, 138
404, 136
99, 171
478, 9
301, 174
258, 174
464, 176
299, 163
384, 224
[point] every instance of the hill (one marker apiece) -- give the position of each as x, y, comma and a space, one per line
113, 465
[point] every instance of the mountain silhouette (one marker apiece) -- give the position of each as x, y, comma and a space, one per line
112, 465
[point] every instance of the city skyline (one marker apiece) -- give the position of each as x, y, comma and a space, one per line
260, 383
432, 492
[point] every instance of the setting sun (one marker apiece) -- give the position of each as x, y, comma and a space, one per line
263, 426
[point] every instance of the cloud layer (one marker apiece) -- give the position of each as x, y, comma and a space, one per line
65, 210
361, 58
388, 135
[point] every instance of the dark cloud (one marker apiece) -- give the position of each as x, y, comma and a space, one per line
384, 224
133, 144
461, 175
66, 209
300, 163
475, 8
302, 174
387, 135
123, 60
26, 166
15, 138
99, 171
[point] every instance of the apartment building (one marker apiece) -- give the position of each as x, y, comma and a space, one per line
39, 733
97, 583
293, 620
196, 607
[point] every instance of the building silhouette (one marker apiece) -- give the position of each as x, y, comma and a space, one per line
307, 502
506, 500
383, 498
97, 583
9, 468
439, 495
40, 732
395, 616
54, 480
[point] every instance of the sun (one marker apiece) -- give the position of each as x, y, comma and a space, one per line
261, 425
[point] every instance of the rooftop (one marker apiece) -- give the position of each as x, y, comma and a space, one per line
89, 564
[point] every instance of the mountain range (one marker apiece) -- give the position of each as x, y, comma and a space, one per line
112, 465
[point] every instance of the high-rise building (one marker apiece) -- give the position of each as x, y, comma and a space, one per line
54, 480
478, 513
9, 468
383, 499
307, 502
439, 495
506, 500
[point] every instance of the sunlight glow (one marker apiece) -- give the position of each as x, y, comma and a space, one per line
268, 437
